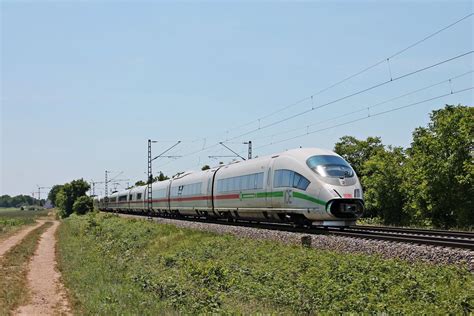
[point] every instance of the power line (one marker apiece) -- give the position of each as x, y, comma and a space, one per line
353, 94
387, 59
369, 107
205, 148
367, 117
332, 102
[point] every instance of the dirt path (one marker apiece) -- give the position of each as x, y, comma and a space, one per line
47, 291
12, 241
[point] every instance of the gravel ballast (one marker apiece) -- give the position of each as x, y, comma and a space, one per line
386, 249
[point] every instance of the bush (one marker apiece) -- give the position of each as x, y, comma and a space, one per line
175, 271
83, 205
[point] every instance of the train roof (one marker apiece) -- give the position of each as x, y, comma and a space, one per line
297, 153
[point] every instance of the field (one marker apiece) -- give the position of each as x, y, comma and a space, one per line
113, 265
11, 219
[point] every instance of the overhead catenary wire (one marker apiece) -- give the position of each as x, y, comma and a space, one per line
366, 117
369, 107
208, 147
384, 60
331, 102
352, 95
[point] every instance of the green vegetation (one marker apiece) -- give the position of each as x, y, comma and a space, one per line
429, 184
13, 271
67, 194
12, 219
54, 192
140, 267
83, 205
19, 200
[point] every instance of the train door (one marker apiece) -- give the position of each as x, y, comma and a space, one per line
168, 195
209, 191
269, 184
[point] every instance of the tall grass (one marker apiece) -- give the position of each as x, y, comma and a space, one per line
12, 219
114, 265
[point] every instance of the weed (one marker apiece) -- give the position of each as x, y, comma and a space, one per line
114, 265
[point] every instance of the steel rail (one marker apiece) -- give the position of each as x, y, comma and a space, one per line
413, 238
432, 232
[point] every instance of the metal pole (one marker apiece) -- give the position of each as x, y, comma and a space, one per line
250, 150
150, 181
106, 198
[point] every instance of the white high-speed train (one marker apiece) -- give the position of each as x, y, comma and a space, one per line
305, 186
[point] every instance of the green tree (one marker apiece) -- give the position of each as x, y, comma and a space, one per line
357, 152
69, 193
83, 205
205, 167
5, 201
53, 192
441, 170
384, 174
160, 177
140, 183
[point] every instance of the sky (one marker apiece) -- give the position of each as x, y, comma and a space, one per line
85, 84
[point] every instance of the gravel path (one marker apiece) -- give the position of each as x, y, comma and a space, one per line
386, 249
14, 240
48, 294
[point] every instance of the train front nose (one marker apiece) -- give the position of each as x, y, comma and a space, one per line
346, 208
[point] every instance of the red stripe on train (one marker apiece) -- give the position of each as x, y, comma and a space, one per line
184, 199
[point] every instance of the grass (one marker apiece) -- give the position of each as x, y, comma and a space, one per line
11, 219
113, 265
13, 271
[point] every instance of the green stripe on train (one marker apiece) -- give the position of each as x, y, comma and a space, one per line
297, 195
302, 196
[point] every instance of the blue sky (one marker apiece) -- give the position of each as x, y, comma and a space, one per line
85, 84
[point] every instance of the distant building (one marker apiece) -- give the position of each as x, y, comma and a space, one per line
48, 204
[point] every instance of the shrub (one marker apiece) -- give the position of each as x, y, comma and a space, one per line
83, 205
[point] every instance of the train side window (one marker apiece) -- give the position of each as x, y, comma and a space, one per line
303, 184
139, 196
288, 178
283, 178
130, 197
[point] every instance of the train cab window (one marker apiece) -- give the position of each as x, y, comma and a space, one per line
122, 198
139, 196
291, 179
330, 166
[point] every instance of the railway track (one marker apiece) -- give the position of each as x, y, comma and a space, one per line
431, 232
424, 237
464, 240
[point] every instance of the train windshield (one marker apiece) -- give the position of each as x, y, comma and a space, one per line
330, 166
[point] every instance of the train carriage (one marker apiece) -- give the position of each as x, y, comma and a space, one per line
190, 194
305, 186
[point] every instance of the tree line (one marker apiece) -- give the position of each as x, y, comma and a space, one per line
19, 201
431, 183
